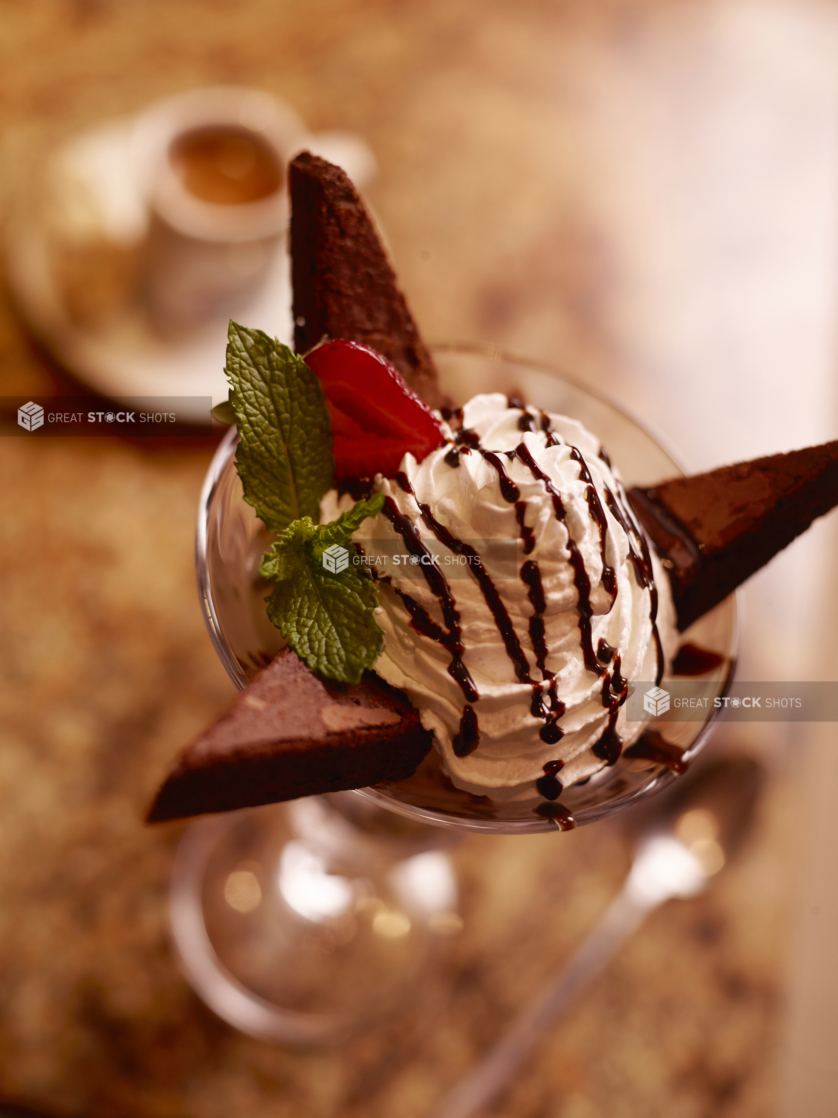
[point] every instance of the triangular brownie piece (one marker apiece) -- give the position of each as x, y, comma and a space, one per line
714, 530
343, 283
290, 734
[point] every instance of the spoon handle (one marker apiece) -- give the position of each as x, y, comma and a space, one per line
481, 1086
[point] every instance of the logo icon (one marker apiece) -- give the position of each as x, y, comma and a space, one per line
335, 558
30, 416
656, 701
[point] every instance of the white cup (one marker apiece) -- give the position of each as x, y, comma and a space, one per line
205, 258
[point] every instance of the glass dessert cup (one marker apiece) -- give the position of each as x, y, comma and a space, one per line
300, 922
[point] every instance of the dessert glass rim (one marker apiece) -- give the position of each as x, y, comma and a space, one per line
602, 795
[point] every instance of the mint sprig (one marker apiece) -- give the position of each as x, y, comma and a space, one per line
323, 604
285, 463
284, 458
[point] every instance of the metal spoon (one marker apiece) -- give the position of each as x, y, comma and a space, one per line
698, 828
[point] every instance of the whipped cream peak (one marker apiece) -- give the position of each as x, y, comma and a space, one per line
521, 678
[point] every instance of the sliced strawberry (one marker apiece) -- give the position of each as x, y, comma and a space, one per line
376, 419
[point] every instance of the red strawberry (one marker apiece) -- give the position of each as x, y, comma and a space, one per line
376, 419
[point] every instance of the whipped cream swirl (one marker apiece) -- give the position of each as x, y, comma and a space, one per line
522, 679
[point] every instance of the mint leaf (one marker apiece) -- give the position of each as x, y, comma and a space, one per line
328, 620
340, 530
286, 555
284, 458
323, 604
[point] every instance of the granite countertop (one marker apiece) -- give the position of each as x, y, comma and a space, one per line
489, 133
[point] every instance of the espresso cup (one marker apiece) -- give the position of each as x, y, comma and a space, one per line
212, 166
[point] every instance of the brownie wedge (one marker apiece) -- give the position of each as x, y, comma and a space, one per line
714, 530
344, 285
290, 734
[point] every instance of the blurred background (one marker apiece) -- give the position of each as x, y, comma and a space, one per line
643, 192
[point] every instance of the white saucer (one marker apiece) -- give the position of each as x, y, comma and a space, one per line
126, 359
125, 356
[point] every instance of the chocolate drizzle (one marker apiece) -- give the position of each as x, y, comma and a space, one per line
509, 490
420, 620
610, 745
357, 487
653, 746
423, 623
468, 737
692, 660
531, 577
641, 561
558, 813
551, 732
605, 662
527, 535
487, 587
549, 787
466, 437
452, 416
545, 702
614, 686
609, 575
530, 422
619, 684
547, 428
580, 575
